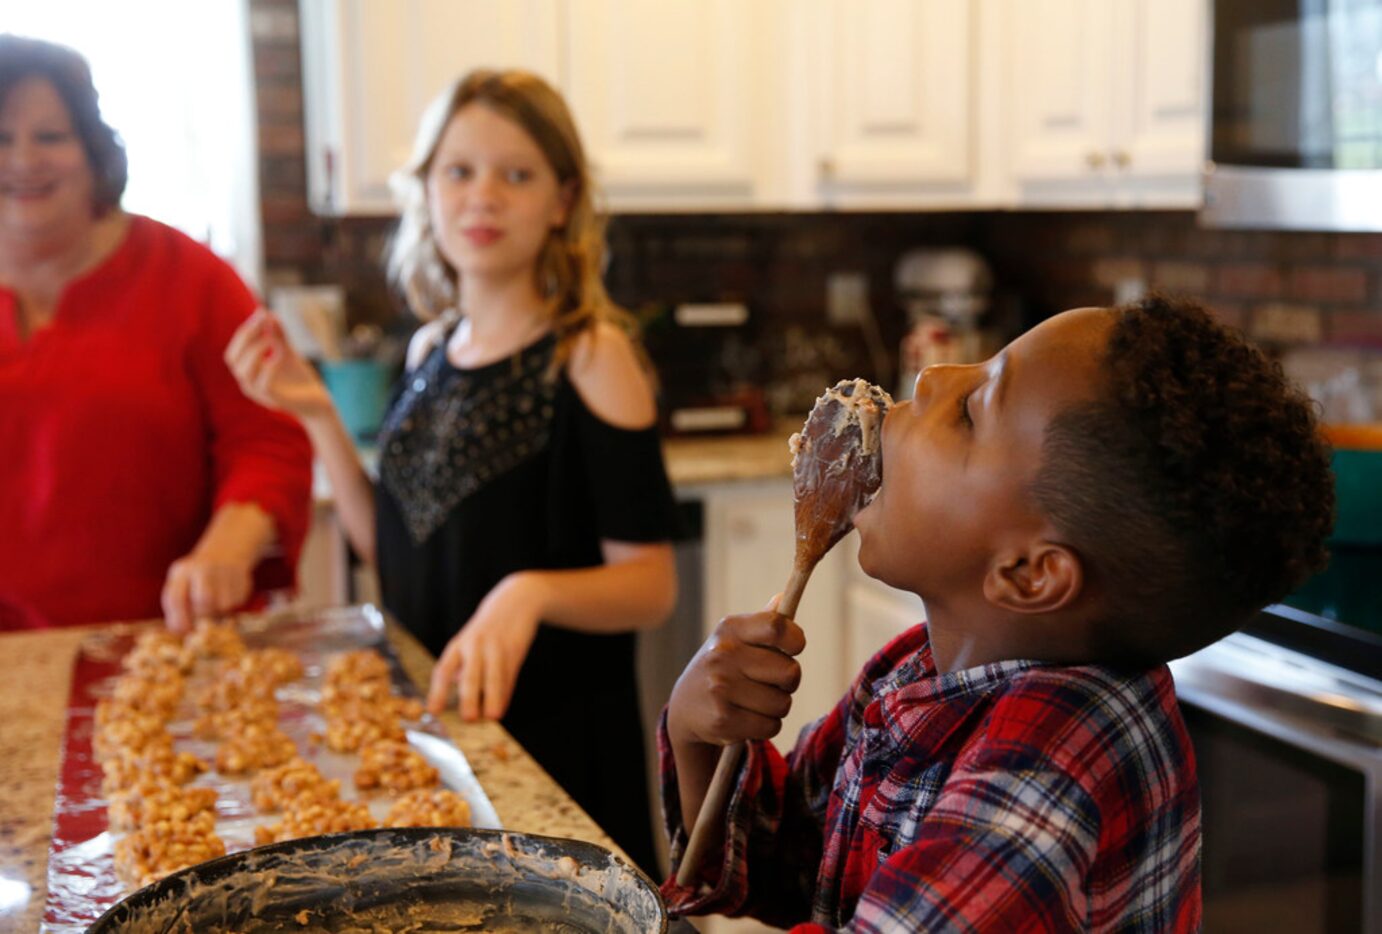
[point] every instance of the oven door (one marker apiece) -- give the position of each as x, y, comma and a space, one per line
1296, 121
1289, 751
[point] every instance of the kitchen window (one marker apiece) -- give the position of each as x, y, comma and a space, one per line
176, 83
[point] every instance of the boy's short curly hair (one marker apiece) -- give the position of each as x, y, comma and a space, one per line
1196, 492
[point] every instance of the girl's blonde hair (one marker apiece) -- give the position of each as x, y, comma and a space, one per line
569, 266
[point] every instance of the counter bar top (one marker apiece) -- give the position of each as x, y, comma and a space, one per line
697, 461
33, 710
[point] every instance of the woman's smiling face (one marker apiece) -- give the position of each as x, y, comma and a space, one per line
959, 460
47, 187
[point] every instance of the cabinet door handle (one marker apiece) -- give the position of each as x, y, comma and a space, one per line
1094, 159
329, 169
1122, 158
826, 167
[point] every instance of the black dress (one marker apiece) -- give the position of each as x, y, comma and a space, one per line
497, 469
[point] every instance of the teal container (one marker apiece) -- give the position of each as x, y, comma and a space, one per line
360, 389
1350, 588
1358, 486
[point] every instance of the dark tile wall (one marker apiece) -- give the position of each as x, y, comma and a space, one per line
1282, 288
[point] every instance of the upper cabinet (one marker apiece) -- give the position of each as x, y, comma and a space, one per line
1106, 101
371, 67
720, 104
683, 105
716, 105
895, 103
668, 97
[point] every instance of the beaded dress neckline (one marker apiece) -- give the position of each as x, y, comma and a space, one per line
453, 430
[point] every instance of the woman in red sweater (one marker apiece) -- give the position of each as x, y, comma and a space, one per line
135, 477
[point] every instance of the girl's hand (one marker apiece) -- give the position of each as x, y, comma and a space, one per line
205, 583
271, 372
739, 684
483, 659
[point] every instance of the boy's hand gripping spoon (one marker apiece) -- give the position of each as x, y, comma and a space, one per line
837, 466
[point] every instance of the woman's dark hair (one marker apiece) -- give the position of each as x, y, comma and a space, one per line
1197, 489
66, 70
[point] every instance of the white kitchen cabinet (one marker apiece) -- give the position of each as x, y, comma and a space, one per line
749, 546
806, 104
672, 99
875, 614
721, 105
683, 105
1106, 101
370, 67
896, 103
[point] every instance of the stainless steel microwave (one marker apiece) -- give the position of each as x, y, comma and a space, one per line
1296, 115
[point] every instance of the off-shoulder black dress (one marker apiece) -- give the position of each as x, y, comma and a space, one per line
497, 469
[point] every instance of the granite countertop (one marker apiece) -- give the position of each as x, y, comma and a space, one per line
33, 709
718, 459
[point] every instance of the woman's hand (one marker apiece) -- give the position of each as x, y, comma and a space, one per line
217, 576
271, 372
206, 582
483, 659
739, 685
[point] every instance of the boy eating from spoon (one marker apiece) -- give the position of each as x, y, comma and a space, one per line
1117, 488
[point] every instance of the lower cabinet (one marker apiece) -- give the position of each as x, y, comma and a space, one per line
874, 615
848, 616
749, 546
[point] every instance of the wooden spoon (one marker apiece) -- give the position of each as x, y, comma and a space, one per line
837, 466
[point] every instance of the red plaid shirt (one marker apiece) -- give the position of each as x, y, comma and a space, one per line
1009, 797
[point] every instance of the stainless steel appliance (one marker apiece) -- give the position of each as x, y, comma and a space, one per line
1286, 719
712, 367
1296, 119
947, 293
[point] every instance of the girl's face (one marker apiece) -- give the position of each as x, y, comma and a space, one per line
47, 187
492, 196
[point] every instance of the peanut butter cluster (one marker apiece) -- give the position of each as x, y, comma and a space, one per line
161, 847
236, 687
215, 640
255, 747
425, 807
350, 731
153, 693
120, 729
223, 724
395, 767
346, 700
279, 666
354, 668
295, 780
308, 817
157, 651
158, 802
359, 704
129, 770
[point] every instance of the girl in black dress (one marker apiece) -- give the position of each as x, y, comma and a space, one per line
521, 520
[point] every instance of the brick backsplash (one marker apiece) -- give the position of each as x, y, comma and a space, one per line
1279, 287
1328, 286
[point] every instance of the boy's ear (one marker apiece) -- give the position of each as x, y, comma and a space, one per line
1041, 579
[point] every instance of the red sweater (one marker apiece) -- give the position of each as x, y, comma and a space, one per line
122, 431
